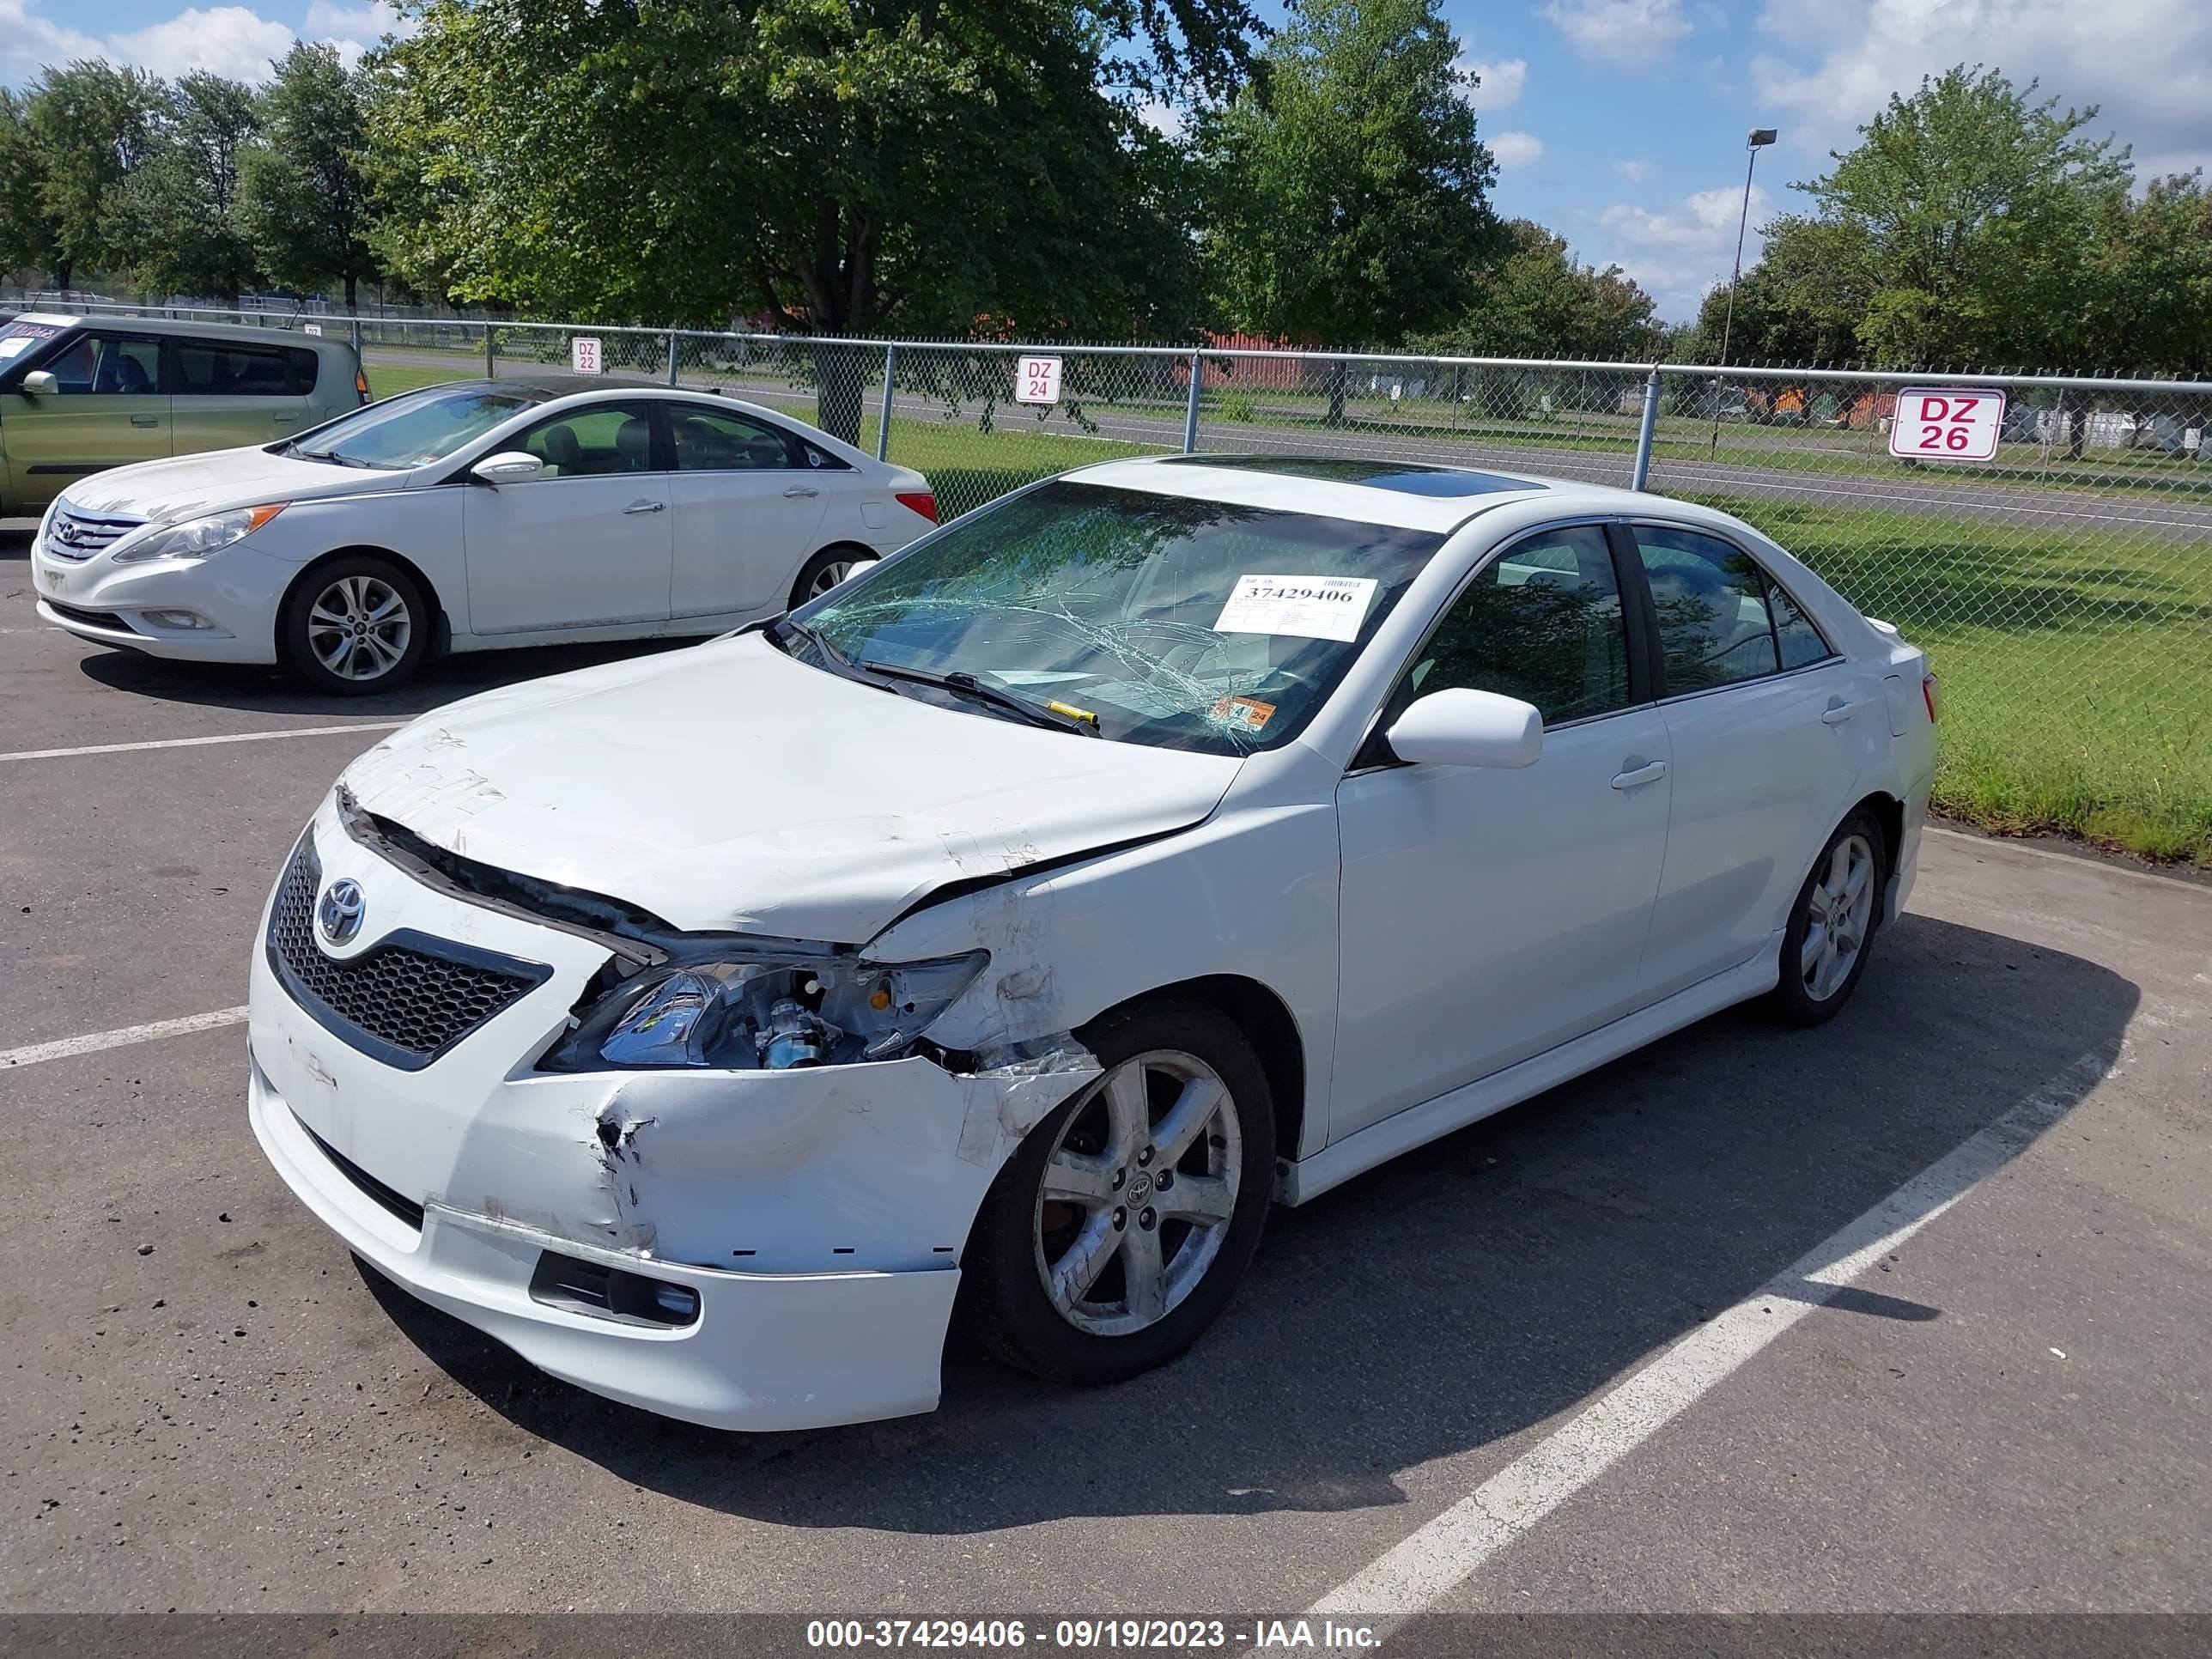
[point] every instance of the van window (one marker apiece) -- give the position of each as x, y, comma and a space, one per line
218, 368
107, 363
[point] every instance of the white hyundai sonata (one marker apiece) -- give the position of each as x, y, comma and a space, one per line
468, 516
1170, 839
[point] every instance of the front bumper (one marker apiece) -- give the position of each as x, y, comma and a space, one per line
235, 591
817, 1215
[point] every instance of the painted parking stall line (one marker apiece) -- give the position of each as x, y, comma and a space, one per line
195, 743
1434, 1560
92, 1043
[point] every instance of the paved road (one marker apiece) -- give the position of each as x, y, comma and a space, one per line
2036, 506
209, 1407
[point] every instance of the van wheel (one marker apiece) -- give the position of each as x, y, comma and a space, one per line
825, 570
1114, 1235
355, 626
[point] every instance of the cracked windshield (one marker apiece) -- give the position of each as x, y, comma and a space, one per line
1145, 618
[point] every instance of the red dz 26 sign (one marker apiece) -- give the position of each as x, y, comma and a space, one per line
1946, 424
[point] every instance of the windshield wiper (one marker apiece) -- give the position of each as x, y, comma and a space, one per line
967, 685
331, 456
783, 631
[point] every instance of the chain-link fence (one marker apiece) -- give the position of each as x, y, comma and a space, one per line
2062, 586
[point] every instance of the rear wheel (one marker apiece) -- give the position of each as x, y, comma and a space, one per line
1832, 926
357, 625
825, 570
1115, 1234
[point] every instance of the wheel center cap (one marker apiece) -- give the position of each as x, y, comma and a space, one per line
1140, 1187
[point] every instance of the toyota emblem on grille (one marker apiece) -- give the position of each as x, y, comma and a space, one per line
338, 913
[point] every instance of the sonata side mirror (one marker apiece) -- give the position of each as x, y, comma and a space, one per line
40, 383
508, 466
1466, 727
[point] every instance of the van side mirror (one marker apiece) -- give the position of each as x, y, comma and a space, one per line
40, 383
508, 466
1462, 726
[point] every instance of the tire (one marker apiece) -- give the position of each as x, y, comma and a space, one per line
1112, 1330
339, 633
825, 570
1821, 961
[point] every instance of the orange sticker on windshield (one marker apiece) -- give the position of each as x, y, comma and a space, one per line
1246, 714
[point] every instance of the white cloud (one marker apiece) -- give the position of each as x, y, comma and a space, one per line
1163, 119
1501, 82
1515, 149
233, 41
1619, 31
1635, 171
1679, 252
2147, 63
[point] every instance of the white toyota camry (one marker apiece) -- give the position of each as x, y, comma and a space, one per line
468, 516
1170, 839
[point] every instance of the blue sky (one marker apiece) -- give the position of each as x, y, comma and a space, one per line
1618, 122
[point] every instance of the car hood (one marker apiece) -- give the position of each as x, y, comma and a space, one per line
186, 486
727, 787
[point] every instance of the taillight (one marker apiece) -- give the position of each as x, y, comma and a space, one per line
1932, 695
921, 502
360, 383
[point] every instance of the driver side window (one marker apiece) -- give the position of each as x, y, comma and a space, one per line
601, 439
1541, 622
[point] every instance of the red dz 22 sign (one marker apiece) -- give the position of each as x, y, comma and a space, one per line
1948, 423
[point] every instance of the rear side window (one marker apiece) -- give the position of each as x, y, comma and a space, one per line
219, 368
721, 441
1721, 619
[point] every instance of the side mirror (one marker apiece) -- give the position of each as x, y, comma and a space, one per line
508, 466
1466, 727
40, 383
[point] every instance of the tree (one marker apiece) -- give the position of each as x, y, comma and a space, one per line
1540, 302
26, 240
2154, 280
833, 163
303, 196
173, 219
88, 124
1800, 303
1347, 189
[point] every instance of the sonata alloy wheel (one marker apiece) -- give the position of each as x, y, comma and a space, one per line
360, 628
825, 570
1842, 910
1137, 1194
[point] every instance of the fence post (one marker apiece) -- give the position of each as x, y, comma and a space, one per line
491, 356
884, 416
672, 354
1642, 467
1190, 408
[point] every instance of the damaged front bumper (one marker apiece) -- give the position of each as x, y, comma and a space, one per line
782, 1247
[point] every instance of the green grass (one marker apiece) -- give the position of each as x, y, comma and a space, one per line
389, 379
968, 468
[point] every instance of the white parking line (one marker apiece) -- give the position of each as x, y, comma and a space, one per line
194, 743
1442, 1555
92, 1042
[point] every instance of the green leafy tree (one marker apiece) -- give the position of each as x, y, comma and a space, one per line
1540, 302
27, 236
837, 165
90, 124
173, 219
2153, 282
1346, 188
1801, 303
303, 193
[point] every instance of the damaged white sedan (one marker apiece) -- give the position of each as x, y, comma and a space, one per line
1004, 931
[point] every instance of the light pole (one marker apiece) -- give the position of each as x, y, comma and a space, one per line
1759, 138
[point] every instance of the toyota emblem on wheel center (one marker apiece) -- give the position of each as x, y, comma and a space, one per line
338, 913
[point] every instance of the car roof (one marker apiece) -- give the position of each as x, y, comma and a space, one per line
1407, 494
284, 333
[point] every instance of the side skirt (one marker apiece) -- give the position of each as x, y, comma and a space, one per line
1416, 1126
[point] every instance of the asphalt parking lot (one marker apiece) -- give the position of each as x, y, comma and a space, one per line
1906, 1314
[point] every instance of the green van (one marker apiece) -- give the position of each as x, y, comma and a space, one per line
81, 394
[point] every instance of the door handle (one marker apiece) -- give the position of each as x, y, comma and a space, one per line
1836, 713
802, 489
645, 507
1650, 773
145, 419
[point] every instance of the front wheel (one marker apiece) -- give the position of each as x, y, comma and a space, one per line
1832, 926
1114, 1234
825, 570
357, 625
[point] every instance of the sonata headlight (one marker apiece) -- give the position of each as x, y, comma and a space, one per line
195, 538
764, 1016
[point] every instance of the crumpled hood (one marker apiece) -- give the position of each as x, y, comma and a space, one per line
187, 486
727, 787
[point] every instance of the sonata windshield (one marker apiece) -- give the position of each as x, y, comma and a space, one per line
1154, 619
412, 429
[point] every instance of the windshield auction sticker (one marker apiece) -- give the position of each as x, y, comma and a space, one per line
1311, 607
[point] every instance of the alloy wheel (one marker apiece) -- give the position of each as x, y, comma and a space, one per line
359, 627
830, 575
1841, 906
1137, 1194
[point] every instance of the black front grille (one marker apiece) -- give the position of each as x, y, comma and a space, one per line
389, 1198
404, 1001
77, 613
